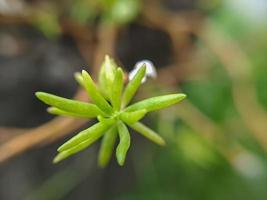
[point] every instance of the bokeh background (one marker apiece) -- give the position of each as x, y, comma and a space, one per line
212, 50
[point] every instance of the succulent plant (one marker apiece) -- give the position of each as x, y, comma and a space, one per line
110, 107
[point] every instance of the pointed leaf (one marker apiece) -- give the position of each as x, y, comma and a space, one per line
94, 93
117, 89
110, 69
147, 132
78, 77
106, 76
79, 147
91, 134
133, 85
73, 106
124, 144
57, 111
156, 103
107, 146
132, 117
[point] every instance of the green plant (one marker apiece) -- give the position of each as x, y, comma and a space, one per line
110, 108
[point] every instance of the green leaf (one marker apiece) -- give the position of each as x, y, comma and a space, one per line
132, 117
91, 134
117, 89
107, 146
68, 105
106, 76
94, 93
133, 85
101, 118
79, 147
78, 77
148, 133
156, 103
124, 144
57, 111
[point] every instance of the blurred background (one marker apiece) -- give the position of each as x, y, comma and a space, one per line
212, 50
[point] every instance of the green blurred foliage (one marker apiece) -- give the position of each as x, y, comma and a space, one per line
218, 102
190, 167
83, 11
46, 20
249, 29
47, 15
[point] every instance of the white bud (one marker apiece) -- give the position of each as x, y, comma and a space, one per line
150, 70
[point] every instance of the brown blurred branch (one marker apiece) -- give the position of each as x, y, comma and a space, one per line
60, 126
239, 69
230, 54
8, 133
180, 28
44, 134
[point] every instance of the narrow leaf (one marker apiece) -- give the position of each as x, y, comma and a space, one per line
73, 106
117, 89
79, 147
148, 133
78, 77
132, 117
57, 111
91, 134
106, 76
107, 146
110, 69
133, 85
94, 93
124, 144
156, 103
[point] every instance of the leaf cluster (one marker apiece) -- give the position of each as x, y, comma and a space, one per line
110, 105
